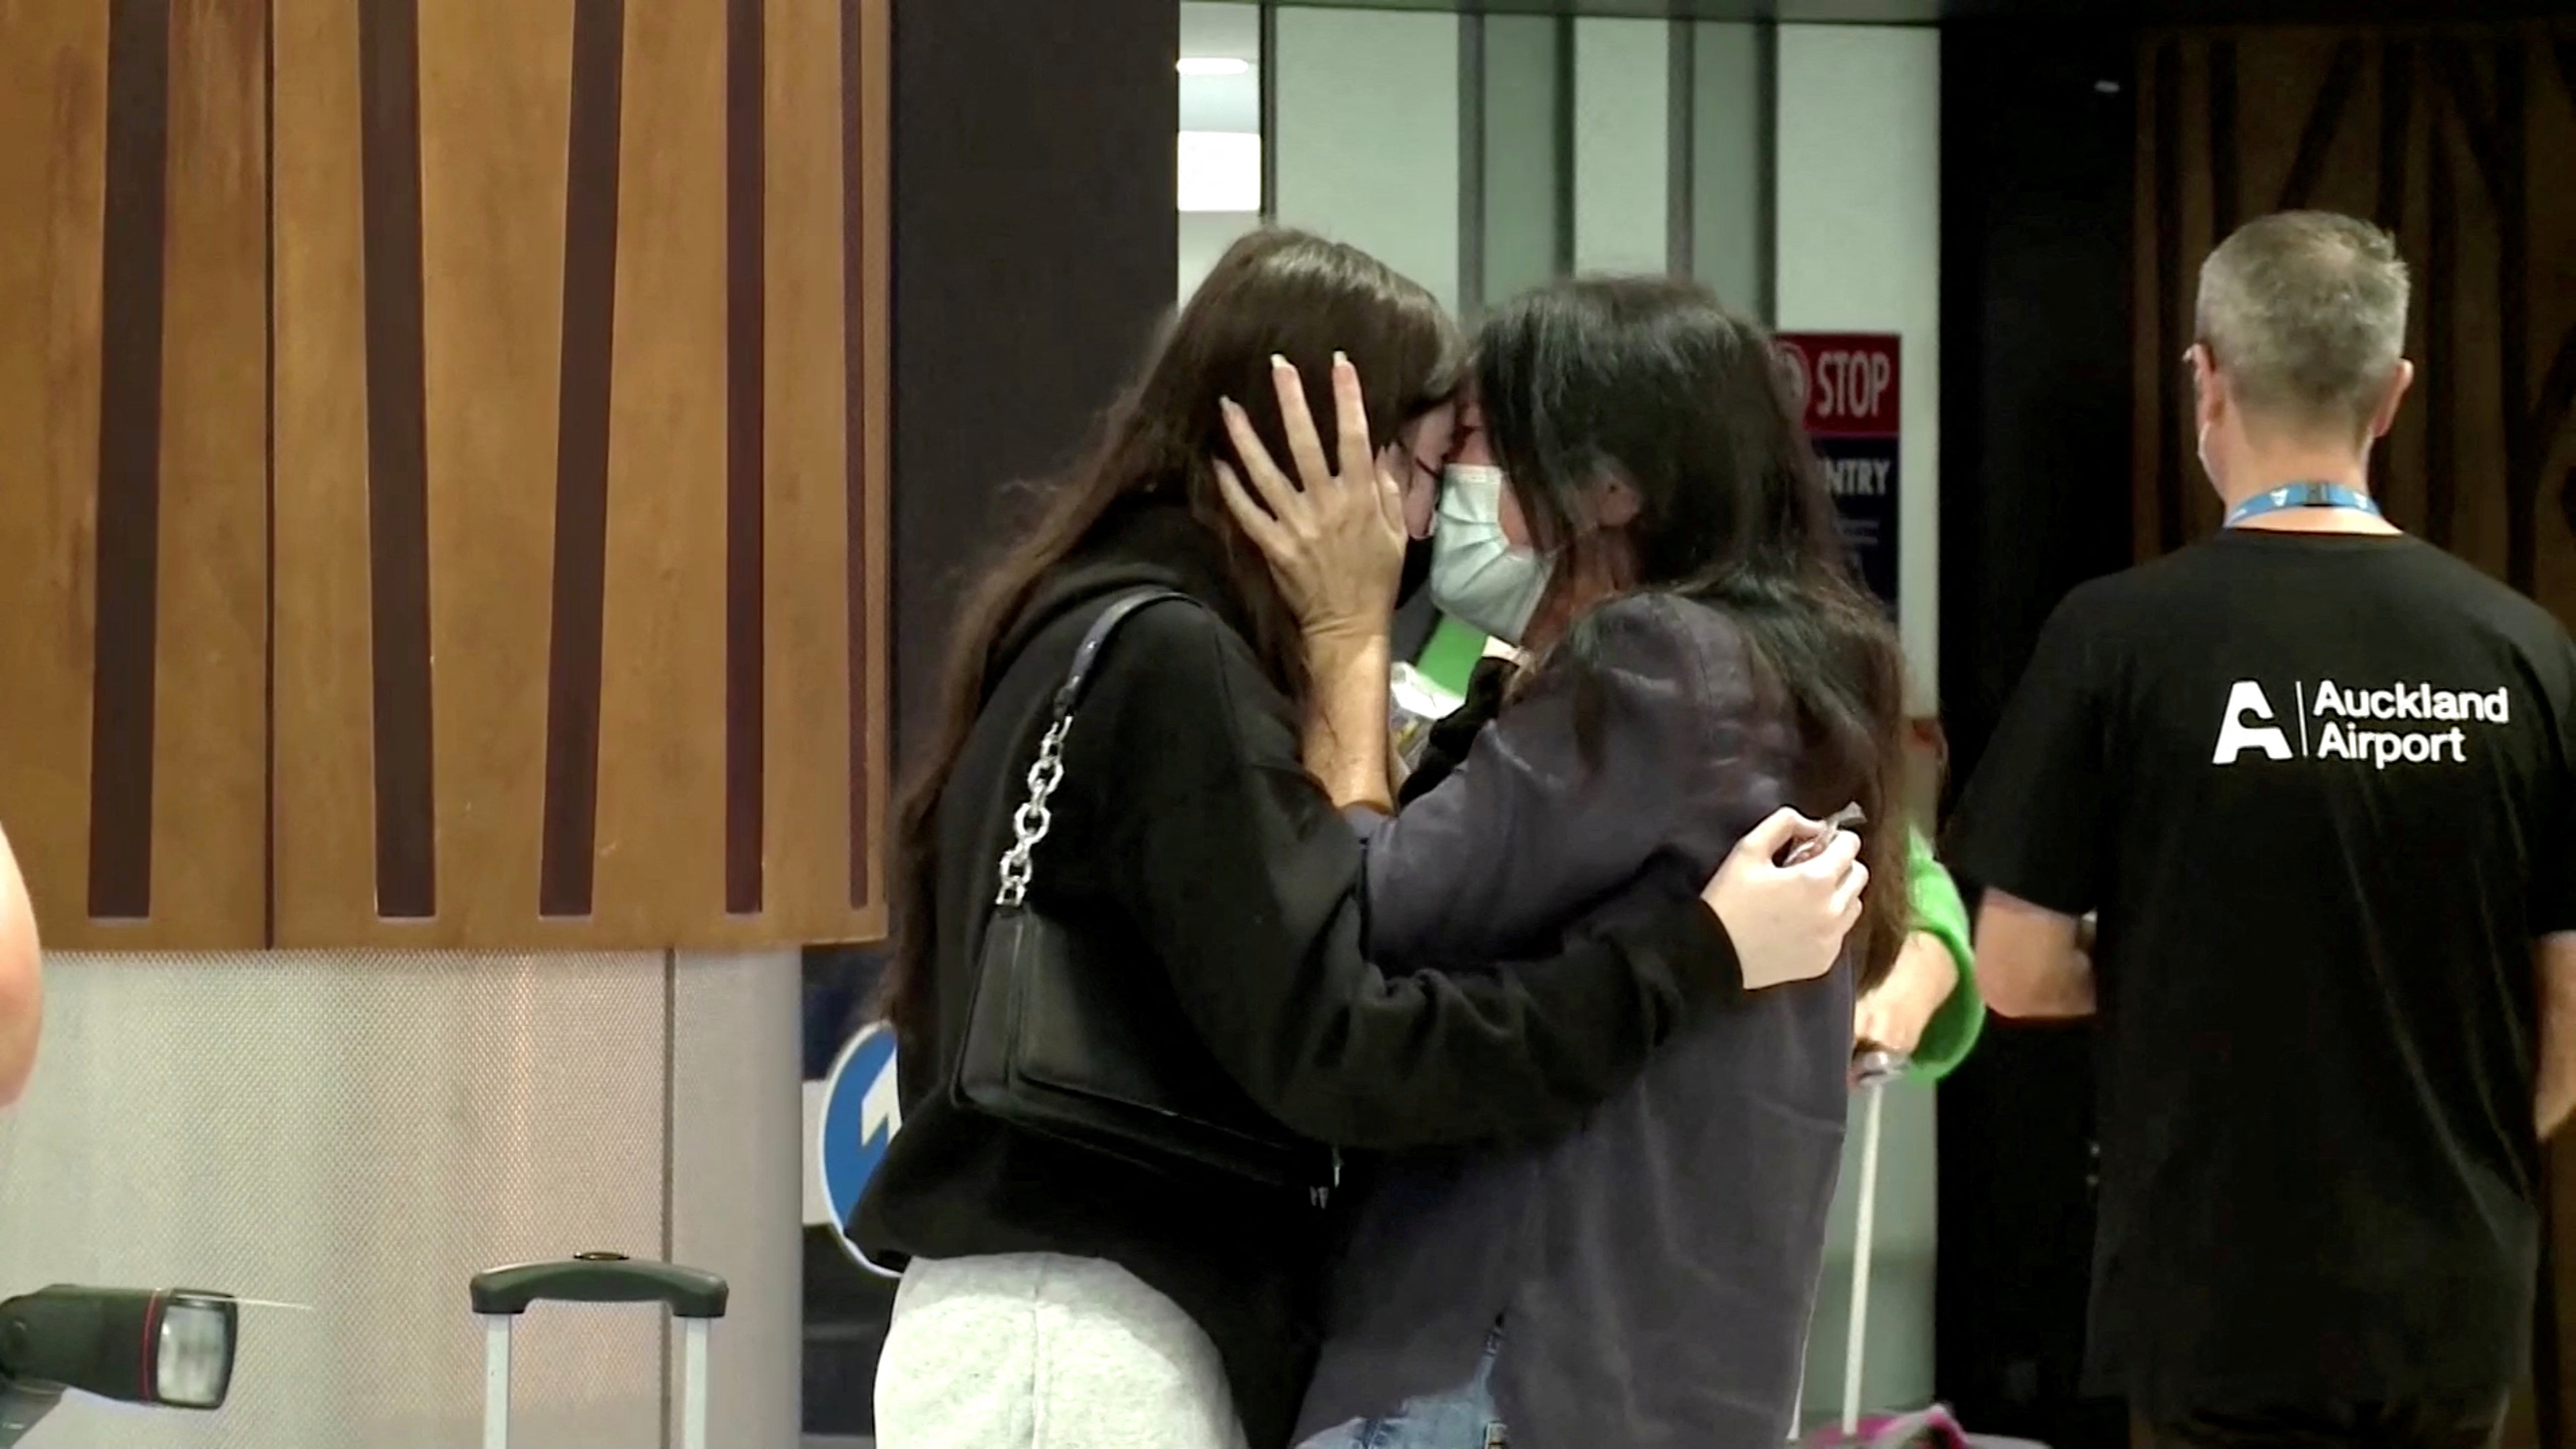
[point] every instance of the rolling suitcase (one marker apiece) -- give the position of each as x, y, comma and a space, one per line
694, 1297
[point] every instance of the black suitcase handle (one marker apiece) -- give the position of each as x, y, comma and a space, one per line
600, 1278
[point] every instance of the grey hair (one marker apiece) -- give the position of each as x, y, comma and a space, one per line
2305, 311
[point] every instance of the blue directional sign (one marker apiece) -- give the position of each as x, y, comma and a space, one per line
862, 1110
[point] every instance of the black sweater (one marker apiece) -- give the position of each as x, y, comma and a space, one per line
1188, 830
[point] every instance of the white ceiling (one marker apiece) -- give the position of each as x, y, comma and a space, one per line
1221, 102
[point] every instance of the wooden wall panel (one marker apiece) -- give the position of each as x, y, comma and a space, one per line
867, 191
458, 519
514, 345
210, 798
590, 315
2456, 141
53, 100
126, 509
661, 728
805, 837
133, 769
323, 709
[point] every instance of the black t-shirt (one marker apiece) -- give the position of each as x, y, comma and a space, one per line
2318, 789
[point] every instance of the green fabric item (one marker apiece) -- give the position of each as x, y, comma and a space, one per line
1451, 655
1953, 1030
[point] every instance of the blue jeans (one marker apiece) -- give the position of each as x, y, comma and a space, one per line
1463, 1418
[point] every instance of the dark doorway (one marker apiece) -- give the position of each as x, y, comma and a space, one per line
2038, 136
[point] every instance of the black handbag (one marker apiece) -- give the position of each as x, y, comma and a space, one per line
1083, 1041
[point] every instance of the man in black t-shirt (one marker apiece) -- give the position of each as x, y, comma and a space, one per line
2313, 779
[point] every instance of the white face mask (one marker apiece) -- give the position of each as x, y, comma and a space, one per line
1478, 575
2206, 469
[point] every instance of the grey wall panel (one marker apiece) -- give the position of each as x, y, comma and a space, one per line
1731, 157
1527, 195
1366, 146
1622, 140
737, 1159
359, 1133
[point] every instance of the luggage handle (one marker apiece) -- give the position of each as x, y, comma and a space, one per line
600, 1278
1873, 1067
694, 1296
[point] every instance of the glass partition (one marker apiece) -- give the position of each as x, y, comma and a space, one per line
1480, 154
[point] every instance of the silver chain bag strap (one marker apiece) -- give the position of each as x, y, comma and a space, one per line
1030, 823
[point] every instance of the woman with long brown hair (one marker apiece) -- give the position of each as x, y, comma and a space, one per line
1635, 507
1129, 985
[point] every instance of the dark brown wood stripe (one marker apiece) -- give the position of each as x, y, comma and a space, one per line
2526, 453
2396, 134
268, 483
2441, 347
129, 462
2551, 413
2567, 499
2325, 119
745, 385
856, 305
2565, 53
397, 460
2172, 387
2228, 200
2497, 142
2453, 64
568, 855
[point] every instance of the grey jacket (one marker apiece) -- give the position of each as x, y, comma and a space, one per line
1652, 1272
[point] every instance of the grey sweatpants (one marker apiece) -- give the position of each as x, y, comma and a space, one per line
1037, 1351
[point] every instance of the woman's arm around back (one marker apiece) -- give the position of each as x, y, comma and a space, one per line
1243, 883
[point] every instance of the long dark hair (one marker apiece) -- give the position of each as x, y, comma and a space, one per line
1274, 292
1656, 383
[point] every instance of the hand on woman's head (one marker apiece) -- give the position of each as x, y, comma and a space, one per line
1334, 535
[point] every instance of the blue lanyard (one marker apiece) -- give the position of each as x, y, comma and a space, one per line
2302, 495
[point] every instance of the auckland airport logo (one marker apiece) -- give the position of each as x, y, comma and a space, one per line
2412, 724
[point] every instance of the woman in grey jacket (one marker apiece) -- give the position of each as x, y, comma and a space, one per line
1632, 503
